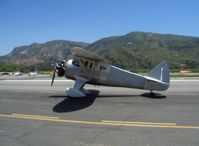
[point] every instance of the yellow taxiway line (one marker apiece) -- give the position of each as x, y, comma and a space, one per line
139, 123
35, 116
103, 122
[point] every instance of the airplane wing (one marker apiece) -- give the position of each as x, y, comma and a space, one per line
84, 54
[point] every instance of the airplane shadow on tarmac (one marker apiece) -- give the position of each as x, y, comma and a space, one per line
154, 96
145, 95
74, 104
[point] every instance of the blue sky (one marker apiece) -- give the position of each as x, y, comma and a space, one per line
23, 22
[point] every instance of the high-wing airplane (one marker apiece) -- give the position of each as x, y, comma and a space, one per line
89, 68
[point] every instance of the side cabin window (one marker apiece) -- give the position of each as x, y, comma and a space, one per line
102, 68
86, 63
91, 65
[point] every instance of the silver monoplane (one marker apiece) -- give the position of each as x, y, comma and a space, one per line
89, 68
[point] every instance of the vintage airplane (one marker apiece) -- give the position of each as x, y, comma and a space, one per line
90, 68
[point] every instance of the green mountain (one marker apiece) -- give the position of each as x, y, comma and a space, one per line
131, 51
42, 55
138, 49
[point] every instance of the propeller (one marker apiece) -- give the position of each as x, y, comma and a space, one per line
59, 68
54, 73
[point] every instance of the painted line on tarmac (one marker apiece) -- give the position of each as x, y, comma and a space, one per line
142, 123
36, 116
102, 123
21, 80
36, 80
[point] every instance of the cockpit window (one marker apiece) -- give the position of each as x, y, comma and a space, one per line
75, 63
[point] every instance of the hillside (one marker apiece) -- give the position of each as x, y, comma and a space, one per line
41, 54
138, 49
131, 51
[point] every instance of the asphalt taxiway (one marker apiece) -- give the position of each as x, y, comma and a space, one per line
33, 113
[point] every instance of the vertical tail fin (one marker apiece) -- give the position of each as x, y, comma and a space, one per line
160, 72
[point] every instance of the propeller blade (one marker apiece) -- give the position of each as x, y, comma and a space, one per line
54, 72
53, 78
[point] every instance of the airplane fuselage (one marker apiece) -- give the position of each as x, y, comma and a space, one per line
108, 75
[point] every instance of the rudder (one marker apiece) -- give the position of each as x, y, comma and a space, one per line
160, 72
